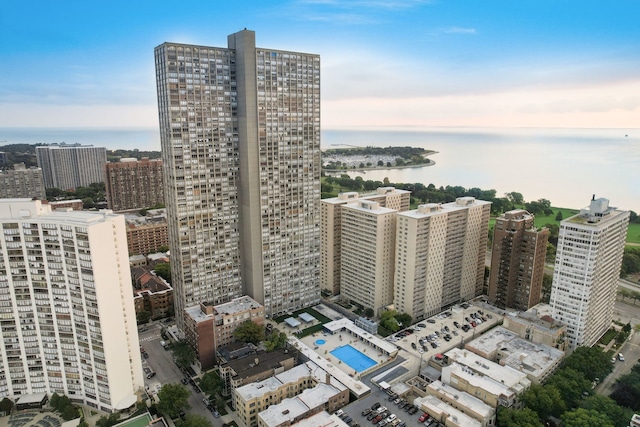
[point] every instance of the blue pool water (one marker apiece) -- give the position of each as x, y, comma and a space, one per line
320, 342
352, 357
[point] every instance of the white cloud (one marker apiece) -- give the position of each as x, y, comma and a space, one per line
459, 30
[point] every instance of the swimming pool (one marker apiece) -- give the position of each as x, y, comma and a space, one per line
320, 342
354, 358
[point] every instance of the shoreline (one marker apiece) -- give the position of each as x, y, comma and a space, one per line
370, 168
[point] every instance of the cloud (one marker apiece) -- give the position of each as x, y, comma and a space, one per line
459, 30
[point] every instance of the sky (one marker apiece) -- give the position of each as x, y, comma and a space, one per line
385, 63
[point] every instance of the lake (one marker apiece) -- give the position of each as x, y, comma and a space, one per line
566, 166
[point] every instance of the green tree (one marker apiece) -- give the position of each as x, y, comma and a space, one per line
275, 341
590, 362
618, 415
143, 317
388, 320
196, 421
211, 383
405, 319
173, 398
163, 270
514, 197
544, 400
585, 418
525, 417
559, 216
571, 384
108, 420
183, 354
626, 391
368, 312
6, 405
249, 332
547, 281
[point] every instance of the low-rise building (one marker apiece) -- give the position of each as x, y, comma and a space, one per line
464, 402
145, 234
494, 384
323, 419
445, 413
152, 293
252, 399
502, 346
537, 326
208, 327
73, 204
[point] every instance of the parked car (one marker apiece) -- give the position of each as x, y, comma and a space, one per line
375, 406
151, 375
366, 412
423, 417
431, 321
371, 416
620, 357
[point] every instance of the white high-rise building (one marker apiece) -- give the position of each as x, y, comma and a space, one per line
587, 269
240, 133
331, 228
368, 243
67, 317
440, 255
69, 166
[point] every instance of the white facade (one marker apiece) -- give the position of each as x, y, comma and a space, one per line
587, 269
71, 166
67, 315
368, 246
440, 255
240, 133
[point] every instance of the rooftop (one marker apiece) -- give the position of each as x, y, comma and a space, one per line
246, 367
323, 419
506, 375
464, 399
237, 305
437, 408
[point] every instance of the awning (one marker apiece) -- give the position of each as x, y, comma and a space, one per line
291, 322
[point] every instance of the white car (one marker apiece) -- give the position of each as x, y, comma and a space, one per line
620, 357
391, 418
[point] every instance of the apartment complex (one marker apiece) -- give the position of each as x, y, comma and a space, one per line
152, 293
517, 261
440, 255
146, 234
367, 254
240, 133
463, 402
133, 184
22, 183
331, 227
208, 327
537, 329
587, 269
312, 386
69, 166
67, 316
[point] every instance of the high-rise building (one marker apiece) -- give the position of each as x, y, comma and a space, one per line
69, 166
440, 255
517, 261
331, 231
134, 184
67, 316
368, 244
587, 269
22, 183
240, 133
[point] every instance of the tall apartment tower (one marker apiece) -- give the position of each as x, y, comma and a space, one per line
368, 243
69, 166
22, 182
587, 269
134, 184
517, 261
331, 229
240, 132
67, 316
440, 255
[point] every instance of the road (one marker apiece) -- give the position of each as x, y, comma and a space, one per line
631, 352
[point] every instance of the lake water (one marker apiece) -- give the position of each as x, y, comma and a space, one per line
566, 166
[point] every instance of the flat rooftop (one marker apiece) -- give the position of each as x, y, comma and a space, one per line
437, 408
237, 305
464, 399
506, 375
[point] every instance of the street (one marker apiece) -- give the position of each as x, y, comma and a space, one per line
631, 352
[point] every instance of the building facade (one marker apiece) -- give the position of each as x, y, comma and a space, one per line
22, 183
331, 229
440, 255
368, 245
146, 235
587, 269
517, 261
240, 133
67, 321
133, 184
69, 166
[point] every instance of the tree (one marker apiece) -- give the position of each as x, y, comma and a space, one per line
143, 317
525, 417
163, 270
6, 405
618, 415
405, 319
559, 216
368, 312
547, 281
183, 354
590, 362
388, 320
173, 398
514, 197
108, 420
627, 389
211, 384
585, 418
571, 384
249, 332
196, 421
544, 400
276, 341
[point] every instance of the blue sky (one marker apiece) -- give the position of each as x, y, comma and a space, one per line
396, 63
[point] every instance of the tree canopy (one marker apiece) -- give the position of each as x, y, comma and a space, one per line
183, 354
525, 417
571, 384
585, 418
173, 398
275, 341
618, 415
591, 362
163, 270
544, 400
249, 332
192, 420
